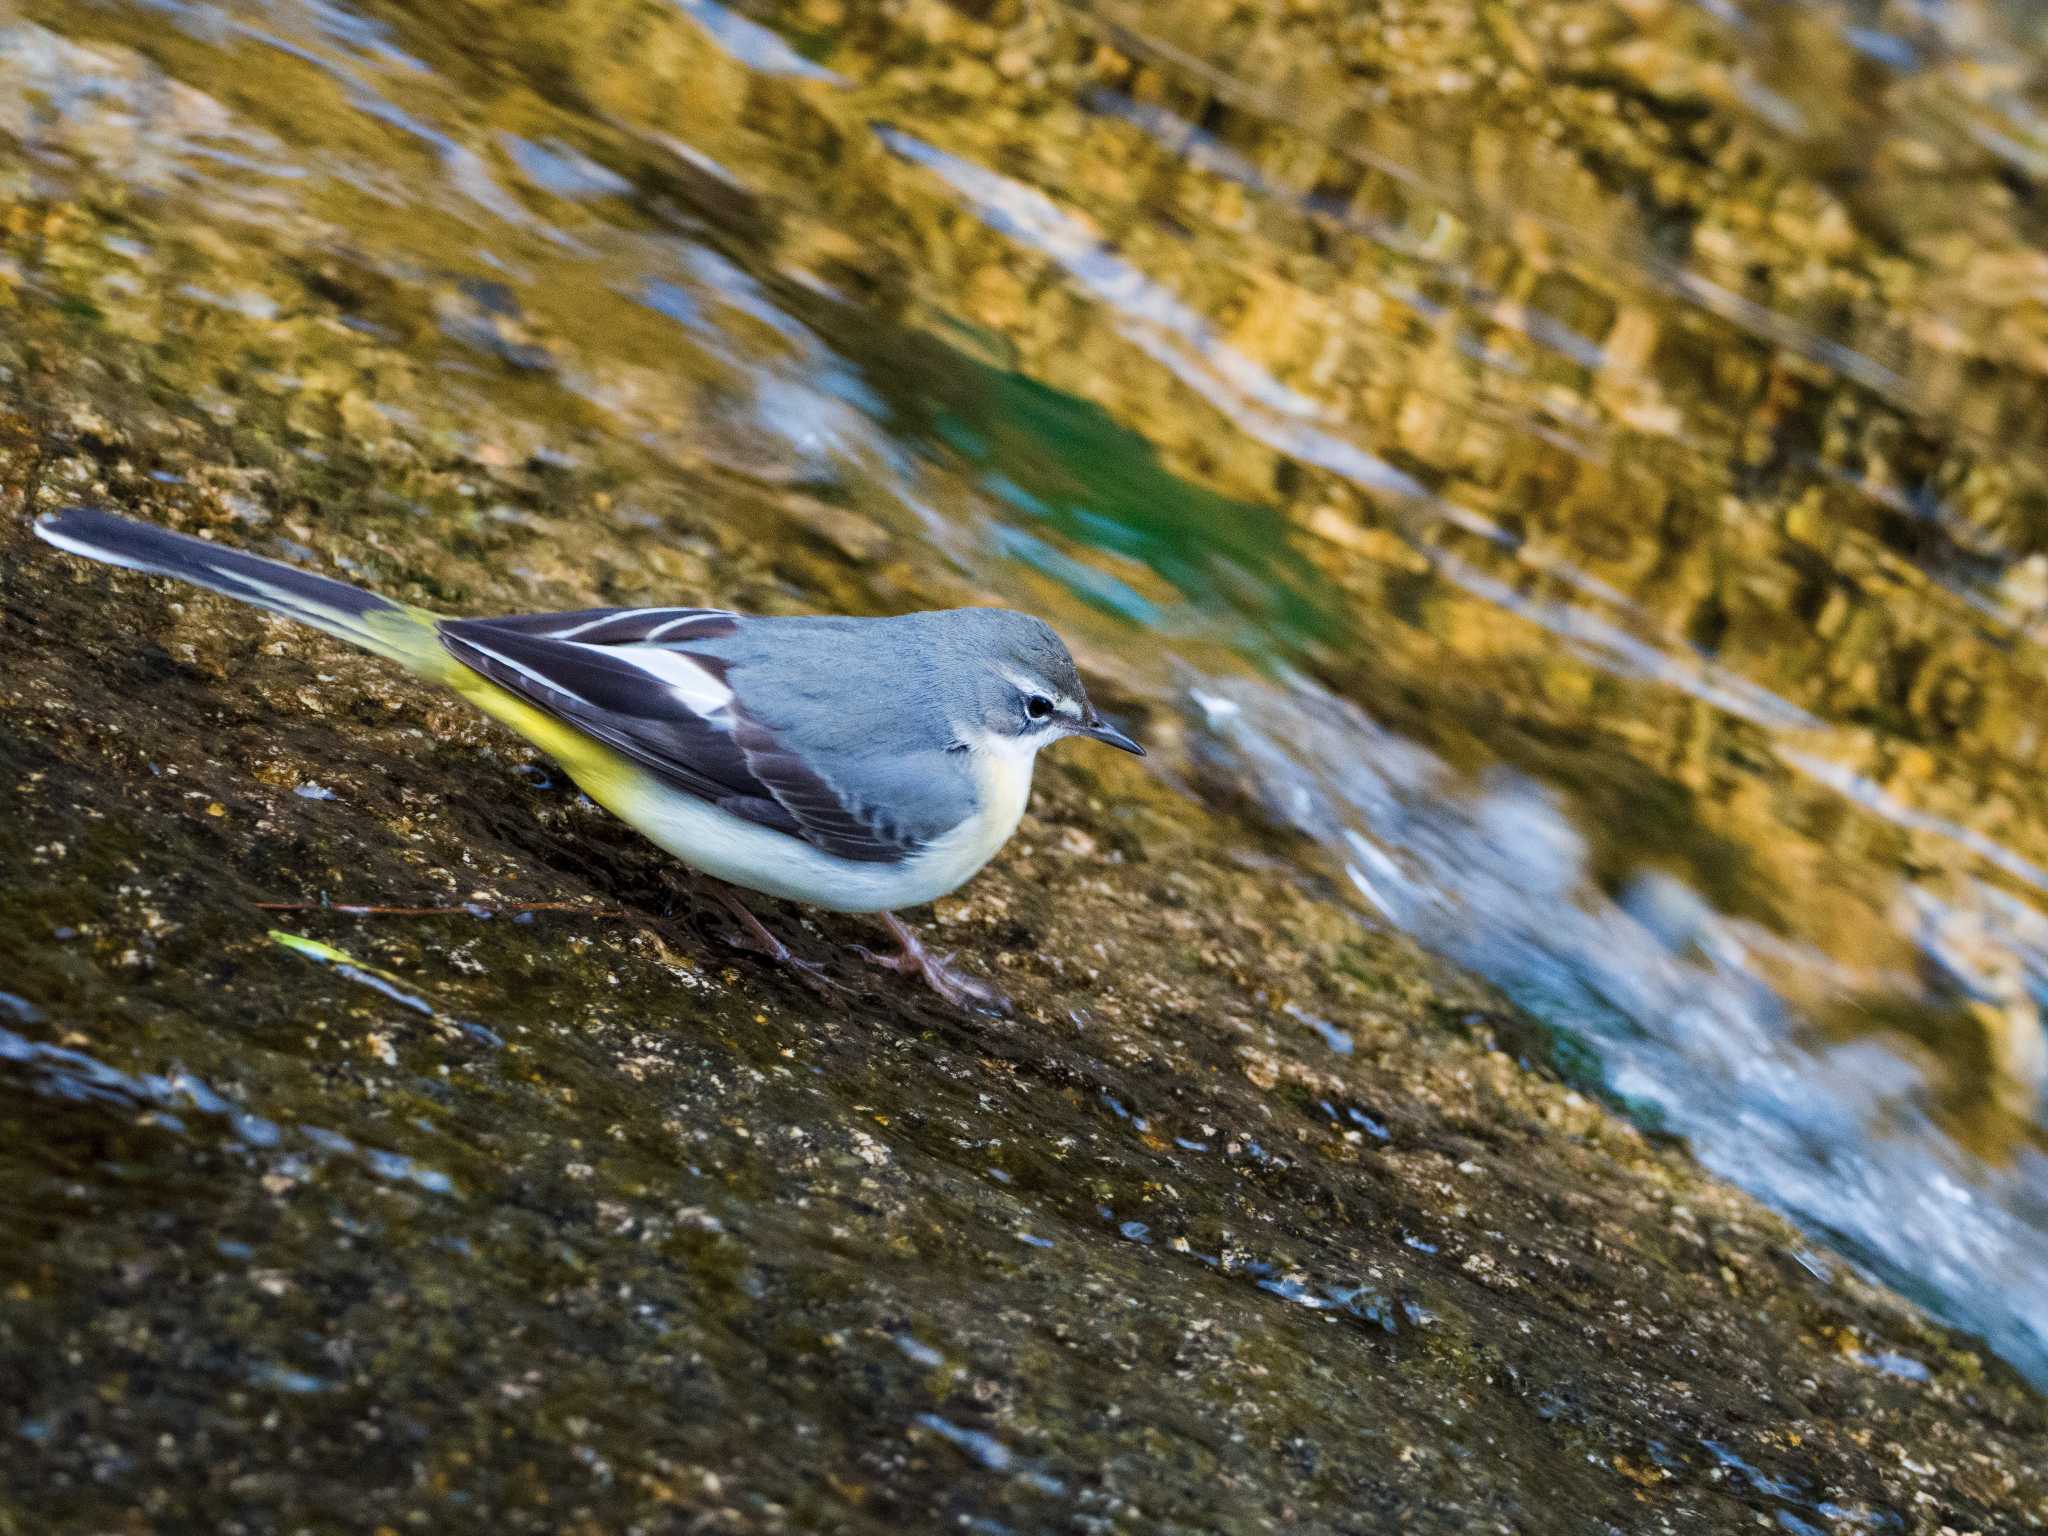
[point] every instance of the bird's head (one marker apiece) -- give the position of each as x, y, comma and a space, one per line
1021, 689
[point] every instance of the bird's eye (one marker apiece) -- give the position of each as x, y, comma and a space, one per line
1038, 706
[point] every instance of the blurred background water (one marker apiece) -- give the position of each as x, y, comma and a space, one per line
1580, 467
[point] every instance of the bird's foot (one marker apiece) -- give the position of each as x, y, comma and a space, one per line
963, 991
758, 937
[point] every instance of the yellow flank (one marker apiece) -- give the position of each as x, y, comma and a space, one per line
413, 638
409, 635
606, 776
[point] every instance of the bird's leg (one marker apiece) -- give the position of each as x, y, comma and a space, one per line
765, 941
955, 986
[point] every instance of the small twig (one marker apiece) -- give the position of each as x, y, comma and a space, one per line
466, 909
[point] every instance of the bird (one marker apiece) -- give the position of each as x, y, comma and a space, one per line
857, 765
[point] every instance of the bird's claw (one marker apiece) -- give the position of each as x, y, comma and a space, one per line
755, 935
963, 991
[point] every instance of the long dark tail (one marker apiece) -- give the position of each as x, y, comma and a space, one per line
376, 623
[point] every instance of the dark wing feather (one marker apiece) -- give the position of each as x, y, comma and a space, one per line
579, 667
827, 818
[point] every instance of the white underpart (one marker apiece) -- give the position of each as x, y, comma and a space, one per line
696, 687
761, 859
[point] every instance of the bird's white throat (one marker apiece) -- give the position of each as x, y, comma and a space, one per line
1002, 772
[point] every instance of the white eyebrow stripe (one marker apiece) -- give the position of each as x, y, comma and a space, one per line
695, 687
1071, 708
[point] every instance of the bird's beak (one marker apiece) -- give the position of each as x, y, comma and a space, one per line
1095, 728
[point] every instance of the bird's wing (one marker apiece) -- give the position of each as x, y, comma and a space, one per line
626, 677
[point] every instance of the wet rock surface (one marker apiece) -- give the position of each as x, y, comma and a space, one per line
534, 1204
561, 1220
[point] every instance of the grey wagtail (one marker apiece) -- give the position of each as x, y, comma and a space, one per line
854, 764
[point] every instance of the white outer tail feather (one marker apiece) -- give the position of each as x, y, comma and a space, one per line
349, 613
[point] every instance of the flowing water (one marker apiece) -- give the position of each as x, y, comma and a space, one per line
1581, 467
